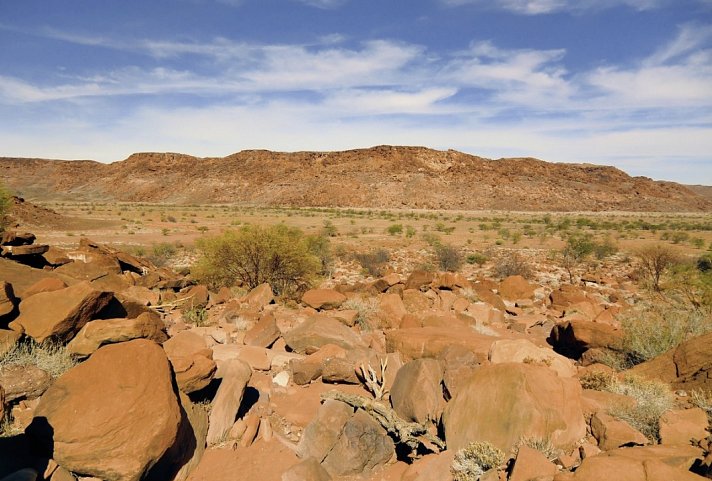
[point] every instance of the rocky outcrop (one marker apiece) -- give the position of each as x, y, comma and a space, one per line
129, 413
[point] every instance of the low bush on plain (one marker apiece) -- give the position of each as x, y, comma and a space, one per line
278, 255
513, 265
373, 262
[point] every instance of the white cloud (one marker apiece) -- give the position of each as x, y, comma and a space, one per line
324, 4
538, 7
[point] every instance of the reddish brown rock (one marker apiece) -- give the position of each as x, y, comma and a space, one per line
8, 341
8, 302
533, 399
680, 426
414, 343
689, 366
71, 309
235, 376
391, 310
417, 393
259, 297
323, 298
108, 331
191, 360
307, 470
514, 288
316, 332
362, 445
23, 382
418, 279
613, 433
196, 297
522, 350
264, 333
129, 413
48, 284
530, 464
573, 338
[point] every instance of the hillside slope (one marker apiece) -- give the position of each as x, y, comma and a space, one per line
378, 177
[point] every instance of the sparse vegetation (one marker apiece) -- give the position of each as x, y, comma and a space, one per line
52, 358
543, 445
652, 398
513, 264
5, 204
449, 258
278, 255
365, 308
474, 460
655, 260
373, 262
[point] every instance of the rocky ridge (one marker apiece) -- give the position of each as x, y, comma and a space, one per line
377, 177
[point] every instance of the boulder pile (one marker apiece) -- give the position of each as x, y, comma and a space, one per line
114, 369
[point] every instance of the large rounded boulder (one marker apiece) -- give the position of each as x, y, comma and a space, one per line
503, 403
113, 416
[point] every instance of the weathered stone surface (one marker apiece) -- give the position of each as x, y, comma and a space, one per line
321, 434
414, 343
522, 350
391, 310
316, 332
514, 288
418, 279
689, 366
613, 433
196, 297
26, 250
362, 445
573, 338
141, 295
323, 298
24, 382
235, 376
13, 238
71, 309
264, 333
531, 464
129, 412
8, 340
307, 470
191, 360
566, 296
97, 333
417, 393
48, 284
633, 464
8, 301
680, 426
432, 467
533, 399
259, 297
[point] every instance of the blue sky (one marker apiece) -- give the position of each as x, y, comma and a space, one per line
618, 82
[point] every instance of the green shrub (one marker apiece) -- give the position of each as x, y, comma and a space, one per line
449, 258
410, 231
161, 253
395, 229
476, 258
474, 460
278, 255
5, 205
196, 315
373, 262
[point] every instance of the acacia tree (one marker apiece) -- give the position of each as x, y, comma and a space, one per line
655, 260
578, 248
278, 255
